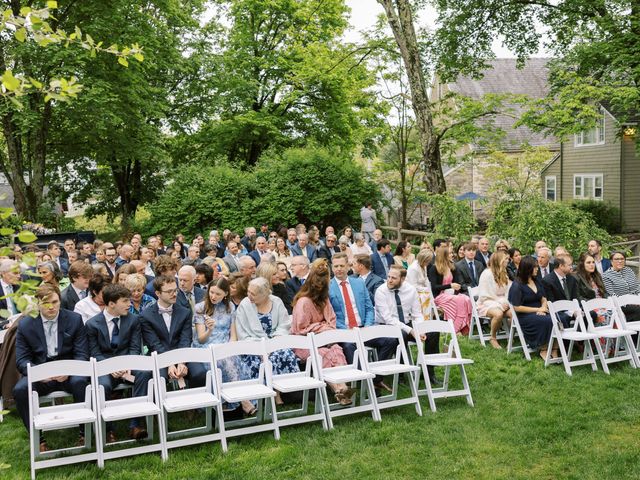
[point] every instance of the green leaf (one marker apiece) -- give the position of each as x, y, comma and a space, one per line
30, 259
123, 61
6, 231
10, 82
5, 313
24, 11
52, 4
21, 34
138, 56
25, 236
4, 466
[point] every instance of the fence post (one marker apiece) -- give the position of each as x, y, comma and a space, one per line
399, 231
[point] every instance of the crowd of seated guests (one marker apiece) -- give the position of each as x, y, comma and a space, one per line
135, 297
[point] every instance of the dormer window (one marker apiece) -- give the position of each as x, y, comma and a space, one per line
593, 136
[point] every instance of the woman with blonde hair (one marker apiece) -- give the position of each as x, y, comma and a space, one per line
446, 292
136, 283
269, 271
502, 246
312, 312
493, 291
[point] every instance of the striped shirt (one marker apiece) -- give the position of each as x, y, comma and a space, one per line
621, 283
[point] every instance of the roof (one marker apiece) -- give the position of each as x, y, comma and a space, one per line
505, 77
629, 117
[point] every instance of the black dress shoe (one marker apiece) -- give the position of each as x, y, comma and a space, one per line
435, 382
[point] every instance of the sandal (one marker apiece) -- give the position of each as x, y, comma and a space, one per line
344, 397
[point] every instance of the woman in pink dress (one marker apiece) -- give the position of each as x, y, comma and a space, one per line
456, 306
312, 312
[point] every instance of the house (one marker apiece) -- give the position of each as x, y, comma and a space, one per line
504, 77
599, 164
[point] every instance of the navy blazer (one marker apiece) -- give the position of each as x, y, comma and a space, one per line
376, 264
606, 264
480, 258
154, 330
462, 274
293, 286
255, 254
372, 283
198, 296
31, 344
312, 253
129, 337
68, 298
554, 290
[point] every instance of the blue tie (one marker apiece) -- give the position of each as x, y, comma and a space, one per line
473, 272
115, 340
399, 306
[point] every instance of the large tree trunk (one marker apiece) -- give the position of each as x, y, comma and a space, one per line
400, 19
127, 179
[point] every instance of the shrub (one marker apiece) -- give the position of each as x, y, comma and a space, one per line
450, 218
605, 214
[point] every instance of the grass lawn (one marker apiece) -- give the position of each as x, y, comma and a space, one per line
528, 422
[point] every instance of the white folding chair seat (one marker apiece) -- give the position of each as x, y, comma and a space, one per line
58, 417
576, 333
128, 408
191, 398
451, 358
516, 331
302, 381
260, 389
346, 373
393, 366
623, 301
615, 332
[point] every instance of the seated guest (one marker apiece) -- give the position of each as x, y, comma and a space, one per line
50, 273
502, 245
312, 312
445, 290
300, 272
188, 295
460, 252
595, 250
382, 259
125, 254
343, 245
147, 255
353, 309
359, 246
9, 283
373, 243
55, 334
260, 250
238, 288
292, 238
483, 253
403, 256
162, 265
80, 274
204, 275
417, 271
166, 326
544, 262
193, 255
269, 271
620, 280
262, 315
397, 303
514, 262
561, 285
116, 332
493, 292
53, 249
232, 256
110, 260
93, 304
528, 299
215, 323
362, 268
329, 249
469, 269
347, 232
283, 272
282, 252
123, 271
590, 286
248, 267
302, 248
136, 284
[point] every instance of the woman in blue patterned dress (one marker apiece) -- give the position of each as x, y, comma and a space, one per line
215, 323
136, 284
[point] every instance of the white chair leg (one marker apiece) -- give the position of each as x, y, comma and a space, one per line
465, 383
274, 418
414, 392
220, 427
325, 407
375, 413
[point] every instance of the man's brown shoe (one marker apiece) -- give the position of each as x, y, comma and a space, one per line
111, 437
383, 387
138, 433
43, 447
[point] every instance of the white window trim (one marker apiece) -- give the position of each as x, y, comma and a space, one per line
593, 176
578, 137
555, 187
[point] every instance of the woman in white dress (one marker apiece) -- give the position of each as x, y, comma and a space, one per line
493, 290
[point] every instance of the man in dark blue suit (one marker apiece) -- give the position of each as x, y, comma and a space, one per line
163, 265
53, 249
382, 259
304, 249
115, 332
353, 307
55, 334
483, 253
300, 270
260, 250
595, 250
167, 326
362, 268
188, 295
80, 274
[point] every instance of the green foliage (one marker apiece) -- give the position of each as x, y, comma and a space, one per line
303, 185
451, 218
605, 214
557, 223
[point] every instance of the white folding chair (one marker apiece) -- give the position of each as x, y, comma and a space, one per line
394, 366
127, 408
576, 333
477, 321
303, 381
59, 417
259, 389
2, 334
623, 301
614, 332
451, 358
205, 397
516, 330
346, 373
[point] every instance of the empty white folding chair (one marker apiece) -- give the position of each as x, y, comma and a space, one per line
576, 333
393, 366
259, 389
623, 301
451, 358
303, 381
59, 417
205, 397
475, 329
516, 331
624, 349
347, 373
147, 406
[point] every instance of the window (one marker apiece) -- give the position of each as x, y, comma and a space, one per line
594, 136
588, 187
550, 188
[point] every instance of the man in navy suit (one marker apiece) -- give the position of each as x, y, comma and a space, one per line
9, 282
483, 253
260, 250
53, 249
304, 249
166, 326
468, 270
560, 285
55, 334
351, 302
382, 259
362, 268
188, 295
80, 274
115, 332
595, 250
300, 270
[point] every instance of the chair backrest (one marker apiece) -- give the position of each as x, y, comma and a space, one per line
281, 342
473, 291
79, 368
628, 299
243, 347
335, 336
184, 355
385, 331
447, 327
566, 306
124, 362
600, 303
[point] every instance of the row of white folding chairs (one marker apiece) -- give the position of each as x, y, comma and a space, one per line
616, 332
97, 410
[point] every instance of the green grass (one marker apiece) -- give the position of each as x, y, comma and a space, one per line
528, 422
